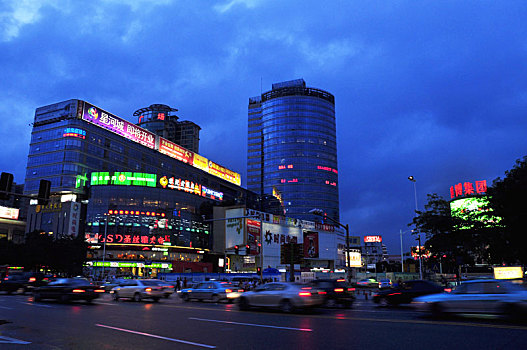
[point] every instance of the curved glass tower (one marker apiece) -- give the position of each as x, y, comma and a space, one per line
292, 149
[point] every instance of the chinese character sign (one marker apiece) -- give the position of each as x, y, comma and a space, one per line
468, 189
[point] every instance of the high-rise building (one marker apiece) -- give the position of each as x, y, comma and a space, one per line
292, 149
162, 120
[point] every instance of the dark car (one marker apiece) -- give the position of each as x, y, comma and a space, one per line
68, 289
22, 282
406, 292
336, 292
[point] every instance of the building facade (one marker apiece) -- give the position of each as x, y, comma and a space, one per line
292, 149
140, 198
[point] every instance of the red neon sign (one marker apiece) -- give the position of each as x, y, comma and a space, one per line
371, 239
468, 188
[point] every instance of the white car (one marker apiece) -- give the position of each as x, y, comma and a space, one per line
282, 295
496, 297
138, 290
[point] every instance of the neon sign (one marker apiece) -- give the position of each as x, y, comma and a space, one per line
74, 132
468, 188
282, 167
123, 178
175, 151
326, 168
190, 187
372, 239
118, 126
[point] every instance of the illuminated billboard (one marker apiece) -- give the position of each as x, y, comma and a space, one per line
175, 151
355, 259
372, 239
9, 213
150, 180
119, 126
508, 272
473, 209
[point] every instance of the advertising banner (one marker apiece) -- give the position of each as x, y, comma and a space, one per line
119, 126
372, 239
224, 173
9, 213
175, 151
355, 259
253, 235
234, 232
73, 225
310, 244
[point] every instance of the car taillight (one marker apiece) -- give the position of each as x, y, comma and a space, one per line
171, 287
240, 290
351, 289
228, 290
148, 289
322, 292
304, 294
448, 290
341, 280
395, 294
339, 290
32, 279
99, 290
79, 291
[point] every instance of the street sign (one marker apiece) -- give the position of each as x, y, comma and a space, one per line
291, 253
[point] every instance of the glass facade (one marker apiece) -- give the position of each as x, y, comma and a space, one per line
292, 149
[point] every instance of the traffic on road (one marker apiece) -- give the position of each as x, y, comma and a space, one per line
271, 315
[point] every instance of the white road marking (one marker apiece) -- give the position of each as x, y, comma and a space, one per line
253, 324
99, 303
5, 307
7, 340
157, 336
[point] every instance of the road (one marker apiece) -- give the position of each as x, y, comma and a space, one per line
173, 324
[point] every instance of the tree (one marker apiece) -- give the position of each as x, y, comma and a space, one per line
452, 240
507, 198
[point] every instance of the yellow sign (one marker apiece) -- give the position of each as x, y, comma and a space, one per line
508, 272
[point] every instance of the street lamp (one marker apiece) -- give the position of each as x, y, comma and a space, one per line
319, 212
412, 179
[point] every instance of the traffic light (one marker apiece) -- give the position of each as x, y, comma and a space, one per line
236, 249
43, 192
6, 182
259, 270
247, 249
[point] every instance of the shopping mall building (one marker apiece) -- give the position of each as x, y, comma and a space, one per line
144, 203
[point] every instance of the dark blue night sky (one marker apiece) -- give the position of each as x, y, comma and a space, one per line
433, 89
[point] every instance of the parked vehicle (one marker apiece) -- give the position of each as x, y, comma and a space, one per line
211, 290
282, 295
138, 290
336, 292
495, 297
22, 282
405, 293
68, 289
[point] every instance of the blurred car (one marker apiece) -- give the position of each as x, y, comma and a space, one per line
406, 292
335, 291
282, 295
68, 289
367, 282
211, 290
385, 283
109, 285
168, 288
496, 297
138, 290
22, 282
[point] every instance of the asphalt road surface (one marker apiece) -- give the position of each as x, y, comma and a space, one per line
173, 324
